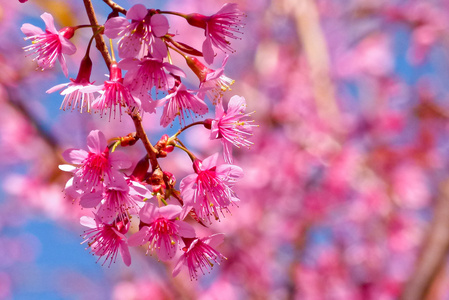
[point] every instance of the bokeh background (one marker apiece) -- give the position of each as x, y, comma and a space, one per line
345, 194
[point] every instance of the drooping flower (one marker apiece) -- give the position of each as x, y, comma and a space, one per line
147, 73
200, 254
95, 166
142, 35
213, 83
209, 188
218, 28
230, 127
79, 92
117, 200
107, 239
115, 94
182, 103
50, 44
161, 230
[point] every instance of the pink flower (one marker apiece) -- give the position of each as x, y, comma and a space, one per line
200, 254
96, 165
209, 189
114, 94
118, 200
161, 230
213, 83
230, 128
147, 73
178, 103
220, 26
51, 44
140, 36
78, 92
107, 239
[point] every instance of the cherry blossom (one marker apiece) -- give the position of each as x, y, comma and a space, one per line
161, 229
209, 188
231, 127
140, 36
50, 44
95, 166
218, 28
200, 254
181, 102
107, 239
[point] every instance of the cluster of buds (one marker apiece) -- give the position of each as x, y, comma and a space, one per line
143, 206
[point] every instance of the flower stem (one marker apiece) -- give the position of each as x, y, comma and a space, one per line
172, 13
140, 132
115, 6
186, 127
101, 46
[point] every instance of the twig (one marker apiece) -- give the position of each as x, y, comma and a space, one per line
115, 6
99, 41
434, 252
152, 152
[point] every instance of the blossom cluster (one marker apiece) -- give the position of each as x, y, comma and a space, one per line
130, 203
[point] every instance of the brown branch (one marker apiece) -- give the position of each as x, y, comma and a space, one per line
315, 47
99, 41
152, 152
434, 251
115, 6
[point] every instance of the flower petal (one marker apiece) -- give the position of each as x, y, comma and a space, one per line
159, 25
74, 156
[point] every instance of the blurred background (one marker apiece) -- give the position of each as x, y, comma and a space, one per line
345, 194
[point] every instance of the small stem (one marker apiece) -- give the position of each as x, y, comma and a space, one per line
86, 26
115, 6
101, 46
172, 13
173, 48
182, 147
186, 127
140, 132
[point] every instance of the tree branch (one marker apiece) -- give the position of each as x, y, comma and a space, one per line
434, 252
99, 41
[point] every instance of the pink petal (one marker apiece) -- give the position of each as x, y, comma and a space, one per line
96, 141
170, 212
124, 252
229, 172
128, 64
90, 200
159, 49
49, 22
63, 65
149, 213
185, 229
57, 87
74, 156
114, 26
236, 105
166, 252
210, 162
214, 240
67, 47
174, 70
179, 265
159, 25
138, 12
88, 222
227, 151
139, 238
208, 52
30, 30
119, 160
